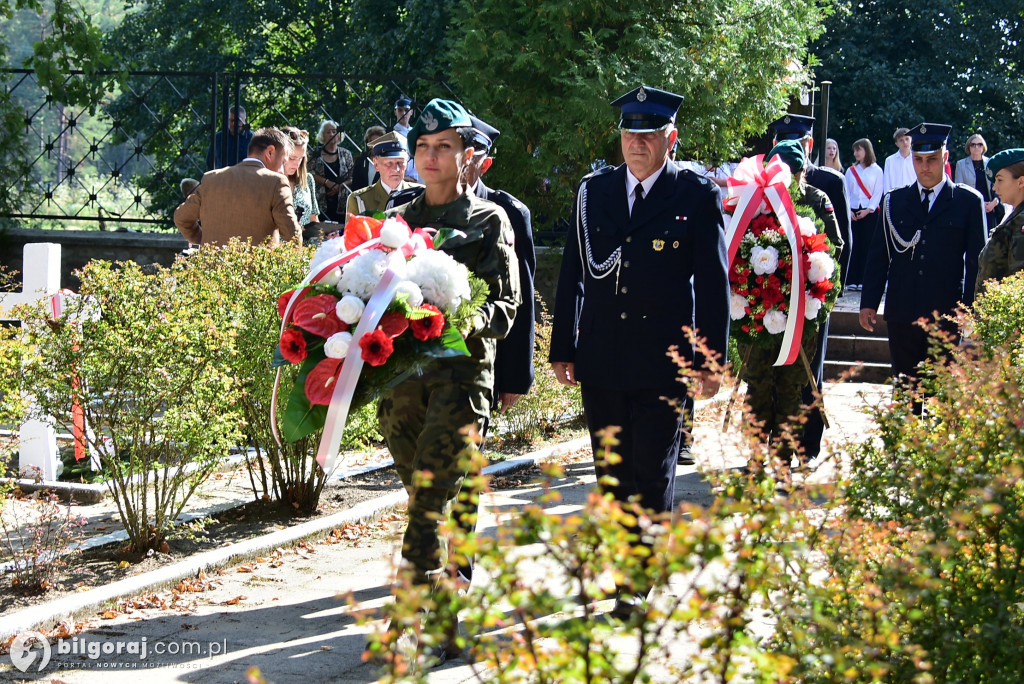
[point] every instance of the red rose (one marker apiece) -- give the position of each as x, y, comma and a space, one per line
428, 327
771, 296
377, 347
316, 315
293, 346
321, 381
393, 323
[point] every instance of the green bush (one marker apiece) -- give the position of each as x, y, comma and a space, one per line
148, 362
998, 317
245, 284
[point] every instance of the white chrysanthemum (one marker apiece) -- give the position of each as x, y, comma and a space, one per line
737, 306
349, 309
443, 281
336, 346
806, 226
412, 292
393, 233
775, 322
764, 260
812, 305
820, 267
327, 250
361, 275
332, 278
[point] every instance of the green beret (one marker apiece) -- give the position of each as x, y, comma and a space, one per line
1001, 160
792, 152
439, 115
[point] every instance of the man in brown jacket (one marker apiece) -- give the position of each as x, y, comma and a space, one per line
251, 200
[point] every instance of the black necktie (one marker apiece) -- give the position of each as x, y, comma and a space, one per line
638, 194
925, 204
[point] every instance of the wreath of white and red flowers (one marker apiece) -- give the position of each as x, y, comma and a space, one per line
769, 225
380, 303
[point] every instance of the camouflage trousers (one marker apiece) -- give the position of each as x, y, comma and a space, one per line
421, 421
774, 393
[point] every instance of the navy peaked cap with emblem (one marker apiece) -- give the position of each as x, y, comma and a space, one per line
792, 127
439, 115
929, 137
484, 134
647, 109
389, 145
1001, 160
403, 101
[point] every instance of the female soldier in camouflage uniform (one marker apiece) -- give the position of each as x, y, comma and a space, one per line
1004, 253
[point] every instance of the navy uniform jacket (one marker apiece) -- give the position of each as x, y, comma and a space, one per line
617, 329
833, 184
942, 269
513, 366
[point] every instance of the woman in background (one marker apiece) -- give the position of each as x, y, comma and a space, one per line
971, 171
303, 189
864, 186
1003, 255
832, 155
331, 167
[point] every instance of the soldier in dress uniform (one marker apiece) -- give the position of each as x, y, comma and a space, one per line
645, 257
390, 157
926, 250
831, 182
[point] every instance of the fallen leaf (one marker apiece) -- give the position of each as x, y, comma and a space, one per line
108, 614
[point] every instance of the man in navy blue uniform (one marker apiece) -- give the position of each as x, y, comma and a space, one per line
926, 249
831, 182
645, 256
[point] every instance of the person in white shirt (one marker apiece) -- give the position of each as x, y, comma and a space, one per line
864, 186
899, 166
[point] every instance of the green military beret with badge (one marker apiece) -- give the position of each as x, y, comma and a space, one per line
1001, 160
792, 153
439, 115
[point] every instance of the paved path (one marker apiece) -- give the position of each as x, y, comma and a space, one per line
283, 612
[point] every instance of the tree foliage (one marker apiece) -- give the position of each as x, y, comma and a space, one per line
896, 64
545, 72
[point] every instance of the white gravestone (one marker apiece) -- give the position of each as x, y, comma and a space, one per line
41, 278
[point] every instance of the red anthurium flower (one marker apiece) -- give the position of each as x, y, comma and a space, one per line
316, 315
282, 301
321, 381
819, 290
428, 327
377, 347
359, 229
393, 323
293, 346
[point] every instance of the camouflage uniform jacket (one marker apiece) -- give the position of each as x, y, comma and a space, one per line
1004, 254
486, 249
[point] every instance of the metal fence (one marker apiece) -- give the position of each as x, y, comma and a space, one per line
120, 164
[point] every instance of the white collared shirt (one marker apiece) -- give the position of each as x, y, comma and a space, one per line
632, 182
255, 159
899, 171
935, 192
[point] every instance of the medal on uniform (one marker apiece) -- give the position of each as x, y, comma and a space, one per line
658, 245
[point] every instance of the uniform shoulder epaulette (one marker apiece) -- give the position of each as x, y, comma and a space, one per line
598, 172
404, 196
828, 171
964, 186
510, 199
696, 178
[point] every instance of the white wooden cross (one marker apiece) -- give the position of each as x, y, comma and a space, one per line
41, 278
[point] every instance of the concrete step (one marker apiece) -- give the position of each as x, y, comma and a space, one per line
857, 348
866, 372
847, 322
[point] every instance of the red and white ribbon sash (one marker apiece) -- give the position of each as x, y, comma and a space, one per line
752, 183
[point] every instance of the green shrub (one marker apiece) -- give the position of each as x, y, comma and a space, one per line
245, 284
36, 542
998, 319
148, 362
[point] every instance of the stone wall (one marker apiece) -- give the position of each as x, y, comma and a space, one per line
80, 247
